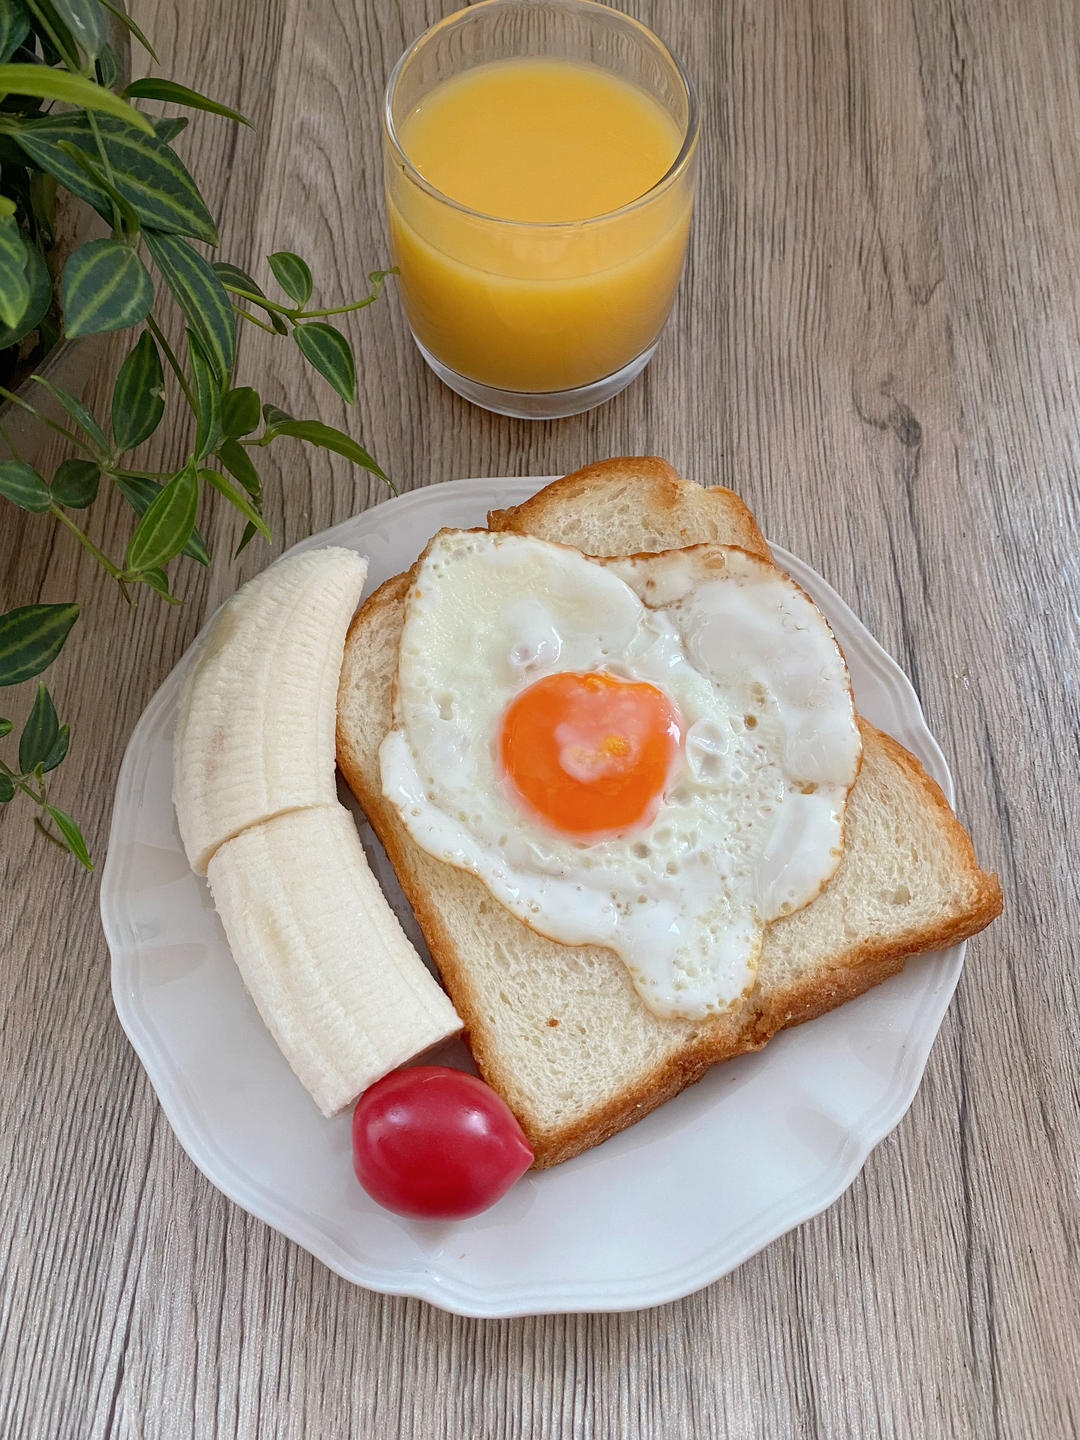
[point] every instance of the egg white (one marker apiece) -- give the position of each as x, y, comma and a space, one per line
751, 824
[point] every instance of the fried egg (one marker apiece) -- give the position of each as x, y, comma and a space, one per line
651, 754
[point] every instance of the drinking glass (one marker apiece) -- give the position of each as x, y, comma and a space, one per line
531, 318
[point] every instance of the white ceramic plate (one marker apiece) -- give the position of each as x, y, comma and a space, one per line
761, 1144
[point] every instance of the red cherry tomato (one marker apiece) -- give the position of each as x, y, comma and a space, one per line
436, 1143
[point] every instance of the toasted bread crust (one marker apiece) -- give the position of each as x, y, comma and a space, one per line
662, 488
664, 481
849, 973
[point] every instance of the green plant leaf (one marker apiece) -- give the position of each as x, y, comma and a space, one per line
40, 733
77, 410
207, 398
168, 127
110, 72
245, 539
166, 527
331, 354
58, 751
53, 38
316, 433
200, 295
235, 496
6, 728
14, 27
42, 192
148, 174
239, 464
105, 287
23, 486
14, 281
85, 21
125, 19
138, 398
75, 483
275, 319
230, 274
233, 278
240, 411
73, 839
31, 637
7, 790
49, 84
140, 491
169, 90
41, 295
120, 211
292, 274
159, 583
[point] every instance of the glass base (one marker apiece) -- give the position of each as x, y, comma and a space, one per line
548, 405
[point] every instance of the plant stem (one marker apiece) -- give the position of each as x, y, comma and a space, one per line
85, 541
20, 784
376, 286
68, 435
254, 319
39, 799
101, 148
292, 311
174, 363
118, 219
44, 829
336, 309
295, 312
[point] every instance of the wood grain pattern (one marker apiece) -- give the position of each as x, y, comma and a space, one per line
878, 343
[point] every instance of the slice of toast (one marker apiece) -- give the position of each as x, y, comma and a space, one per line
559, 1030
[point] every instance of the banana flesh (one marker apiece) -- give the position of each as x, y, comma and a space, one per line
322, 953
255, 733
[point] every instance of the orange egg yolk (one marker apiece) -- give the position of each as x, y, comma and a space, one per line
590, 754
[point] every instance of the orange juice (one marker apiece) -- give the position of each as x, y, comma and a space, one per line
519, 284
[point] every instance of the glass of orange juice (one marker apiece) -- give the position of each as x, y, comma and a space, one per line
540, 159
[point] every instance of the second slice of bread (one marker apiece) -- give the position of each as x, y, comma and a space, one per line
559, 1030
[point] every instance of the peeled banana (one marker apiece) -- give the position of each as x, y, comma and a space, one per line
322, 954
255, 734
337, 983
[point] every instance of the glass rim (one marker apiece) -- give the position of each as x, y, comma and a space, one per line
665, 182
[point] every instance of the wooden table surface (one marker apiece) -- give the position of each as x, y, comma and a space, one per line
877, 342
